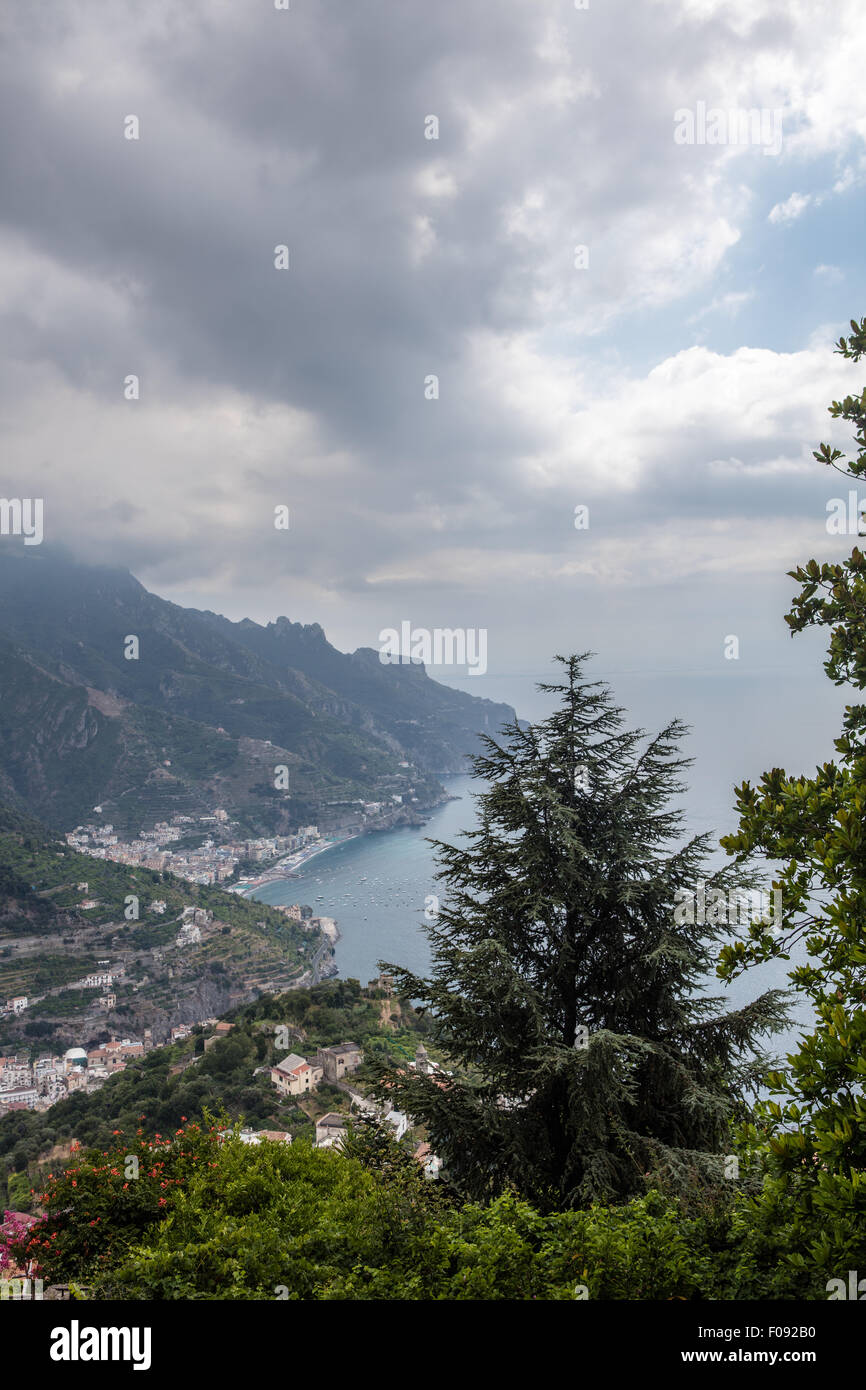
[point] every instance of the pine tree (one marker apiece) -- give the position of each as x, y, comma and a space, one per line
567, 971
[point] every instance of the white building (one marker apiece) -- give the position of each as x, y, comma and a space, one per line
20, 1095
294, 1075
255, 1136
398, 1121
74, 1060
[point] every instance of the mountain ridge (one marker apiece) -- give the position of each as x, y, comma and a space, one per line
208, 710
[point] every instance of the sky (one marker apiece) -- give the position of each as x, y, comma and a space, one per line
507, 197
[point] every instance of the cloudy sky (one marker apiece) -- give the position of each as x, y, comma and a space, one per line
672, 376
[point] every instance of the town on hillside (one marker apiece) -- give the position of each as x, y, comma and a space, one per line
207, 849
40, 1082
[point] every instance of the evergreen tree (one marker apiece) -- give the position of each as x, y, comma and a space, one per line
568, 962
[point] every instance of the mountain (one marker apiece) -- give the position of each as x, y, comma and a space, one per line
207, 710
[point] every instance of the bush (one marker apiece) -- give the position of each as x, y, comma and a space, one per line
211, 1218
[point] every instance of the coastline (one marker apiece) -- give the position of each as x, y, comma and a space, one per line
283, 871
372, 920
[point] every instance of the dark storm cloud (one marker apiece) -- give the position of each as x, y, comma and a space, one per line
408, 257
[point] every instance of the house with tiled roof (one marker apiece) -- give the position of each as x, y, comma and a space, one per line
295, 1076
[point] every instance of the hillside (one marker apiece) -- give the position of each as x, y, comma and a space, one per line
175, 1083
49, 942
206, 712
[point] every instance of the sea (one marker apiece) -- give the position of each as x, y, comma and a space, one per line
378, 887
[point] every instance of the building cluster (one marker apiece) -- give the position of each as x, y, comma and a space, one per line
330, 1131
210, 863
191, 922
303, 914
295, 1076
26, 1085
298, 1076
255, 1136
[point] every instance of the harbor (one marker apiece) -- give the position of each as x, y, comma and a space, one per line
289, 865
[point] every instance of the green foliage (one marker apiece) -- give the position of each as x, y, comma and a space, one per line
147, 1095
803, 1229
811, 1132
560, 916
210, 1218
103, 1202
41, 883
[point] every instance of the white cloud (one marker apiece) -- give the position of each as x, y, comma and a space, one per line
791, 209
729, 305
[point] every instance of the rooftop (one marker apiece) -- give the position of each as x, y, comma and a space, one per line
291, 1063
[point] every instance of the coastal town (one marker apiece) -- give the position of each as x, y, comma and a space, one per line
203, 850
37, 1082
52, 1078
206, 848
215, 860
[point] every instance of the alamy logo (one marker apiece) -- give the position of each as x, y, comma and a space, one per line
855, 1290
715, 907
25, 1288
842, 521
22, 516
444, 646
76, 1343
738, 126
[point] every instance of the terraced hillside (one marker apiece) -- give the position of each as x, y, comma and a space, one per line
49, 943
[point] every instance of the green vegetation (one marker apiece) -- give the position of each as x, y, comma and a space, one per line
633, 1163
210, 1218
151, 1096
811, 1132
565, 985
